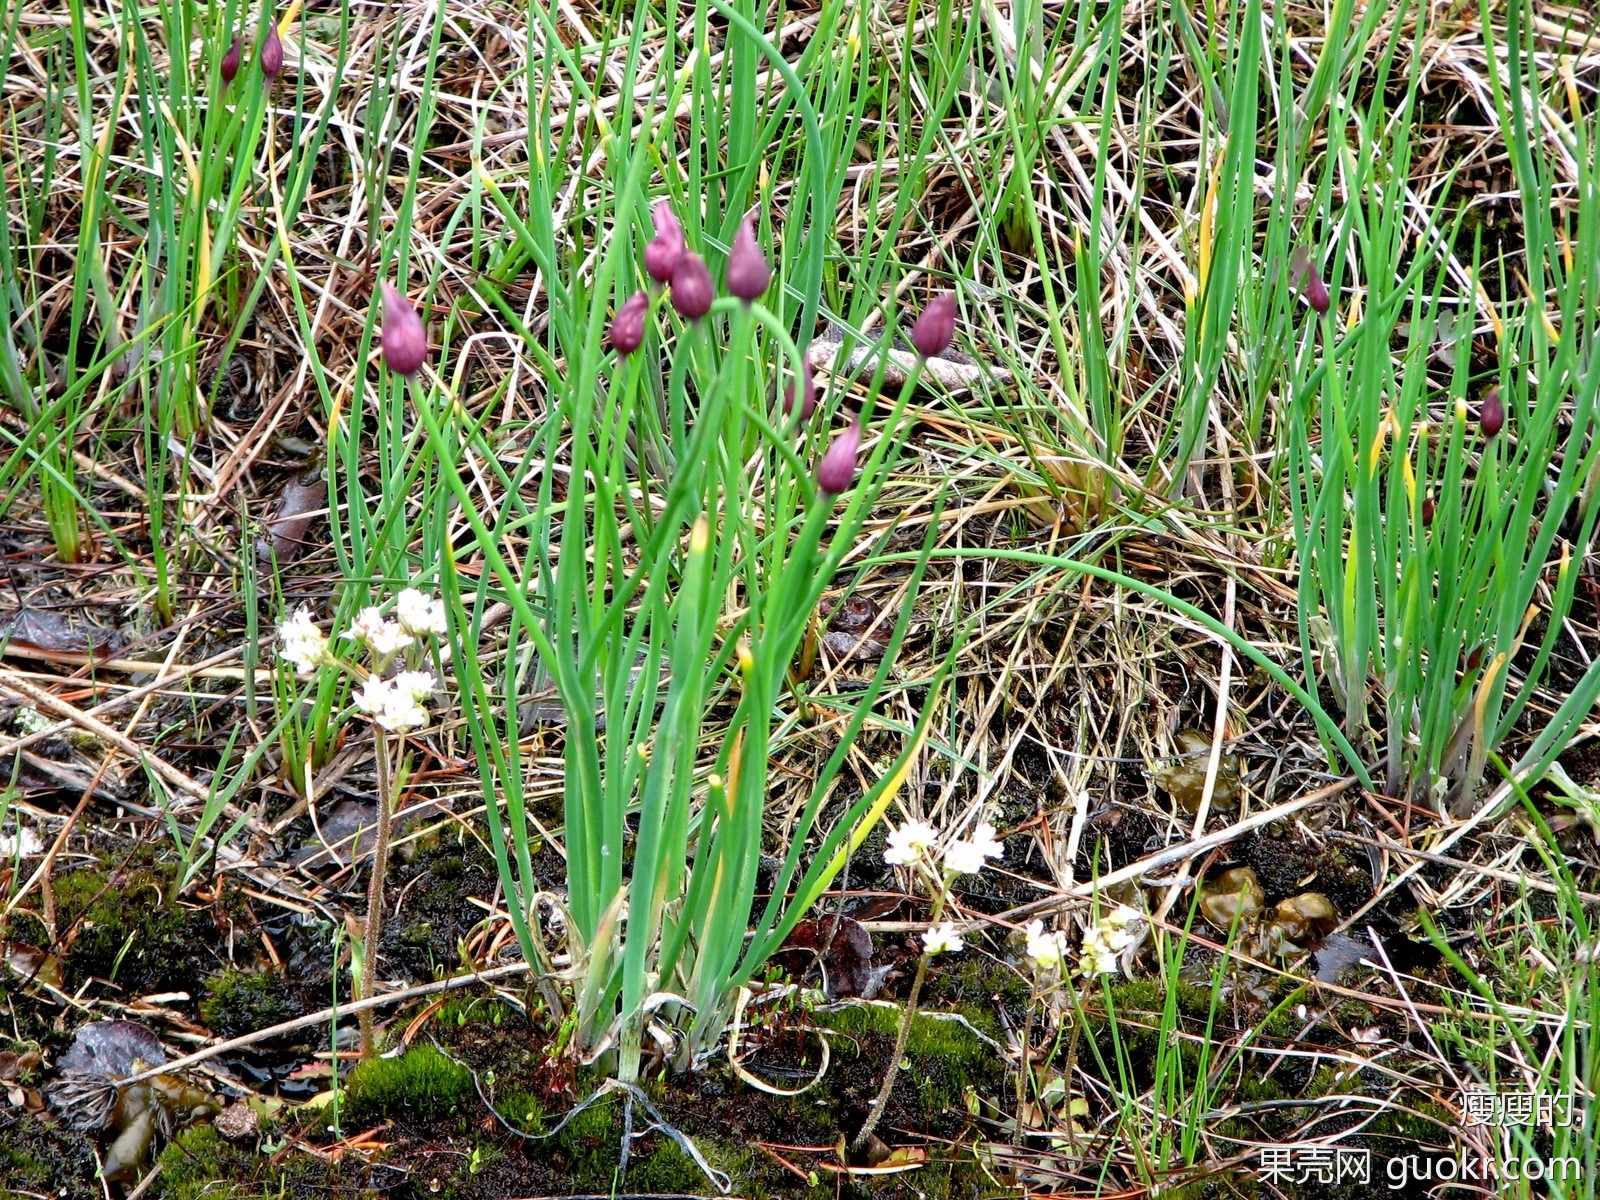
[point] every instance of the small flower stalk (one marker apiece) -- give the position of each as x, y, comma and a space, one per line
914, 845
405, 342
395, 704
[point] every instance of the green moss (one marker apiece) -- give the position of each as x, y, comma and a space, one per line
40, 1160
946, 1057
478, 1010
123, 929
238, 1002
422, 1084
201, 1165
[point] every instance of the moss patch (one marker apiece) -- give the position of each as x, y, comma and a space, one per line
45, 1160
238, 1002
117, 925
422, 1084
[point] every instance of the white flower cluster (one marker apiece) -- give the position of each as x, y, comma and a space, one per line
910, 843
393, 704
379, 634
914, 841
1047, 951
416, 615
420, 615
941, 938
1103, 945
301, 642
396, 704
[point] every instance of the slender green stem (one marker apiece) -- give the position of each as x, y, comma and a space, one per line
380, 868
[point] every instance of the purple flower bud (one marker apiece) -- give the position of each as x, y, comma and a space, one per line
838, 465
1309, 280
661, 253
271, 50
808, 392
1492, 414
1428, 509
627, 330
1316, 293
935, 328
748, 270
405, 343
232, 59
692, 289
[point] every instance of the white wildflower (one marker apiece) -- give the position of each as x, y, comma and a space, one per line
373, 695
382, 637
1103, 945
419, 685
1047, 950
389, 705
302, 643
966, 857
419, 615
942, 938
910, 843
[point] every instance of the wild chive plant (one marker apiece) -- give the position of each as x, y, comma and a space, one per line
1444, 547
665, 597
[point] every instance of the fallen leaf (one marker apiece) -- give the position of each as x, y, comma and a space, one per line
846, 960
285, 534
112, 1048
858, 631
49, 634
31, 964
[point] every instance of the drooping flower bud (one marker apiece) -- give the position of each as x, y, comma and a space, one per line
808, 392
692, 288
749, 273
405, 342
838, 465
627, 330
935, 328
271, 50
232, 59
1309, 280
1492, 414
661, 253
